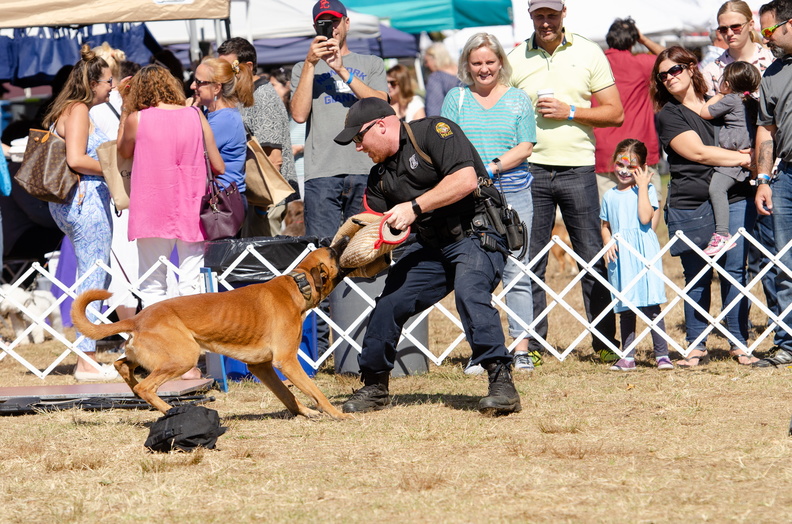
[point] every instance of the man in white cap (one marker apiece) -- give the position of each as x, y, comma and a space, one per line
567, 70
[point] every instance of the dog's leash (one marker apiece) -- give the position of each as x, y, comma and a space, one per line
139, 307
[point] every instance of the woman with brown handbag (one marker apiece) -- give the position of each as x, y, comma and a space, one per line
85, 216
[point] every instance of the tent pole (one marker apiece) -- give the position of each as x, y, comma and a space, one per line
195, 50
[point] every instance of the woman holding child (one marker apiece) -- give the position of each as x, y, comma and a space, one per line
678, 91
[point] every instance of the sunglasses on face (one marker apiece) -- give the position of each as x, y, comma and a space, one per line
199, 83
358, 138
767, 32
674, 71
736, 28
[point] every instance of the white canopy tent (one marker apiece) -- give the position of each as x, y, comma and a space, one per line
256, 19
34, 13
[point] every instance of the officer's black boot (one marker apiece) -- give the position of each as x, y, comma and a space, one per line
502, 398
372, 396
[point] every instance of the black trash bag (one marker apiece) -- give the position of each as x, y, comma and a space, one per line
185, 428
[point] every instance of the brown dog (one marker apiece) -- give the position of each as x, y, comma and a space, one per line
260, 325
294, 219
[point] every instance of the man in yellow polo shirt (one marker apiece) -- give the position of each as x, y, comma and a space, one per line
562, 72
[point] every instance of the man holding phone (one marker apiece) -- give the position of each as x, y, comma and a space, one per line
324, 87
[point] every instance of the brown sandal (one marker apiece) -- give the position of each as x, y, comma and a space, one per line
692, 361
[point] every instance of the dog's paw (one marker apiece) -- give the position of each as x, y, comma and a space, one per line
310, 413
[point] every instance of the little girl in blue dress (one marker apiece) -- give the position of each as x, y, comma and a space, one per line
627, 209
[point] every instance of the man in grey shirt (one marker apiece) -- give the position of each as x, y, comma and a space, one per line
268, 121
774, 139
324, 86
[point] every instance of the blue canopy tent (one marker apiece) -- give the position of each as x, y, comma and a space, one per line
275, 51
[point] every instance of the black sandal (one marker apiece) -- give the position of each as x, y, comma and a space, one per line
695, 360
742, 355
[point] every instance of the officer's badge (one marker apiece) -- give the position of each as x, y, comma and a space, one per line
444, 130
413, 162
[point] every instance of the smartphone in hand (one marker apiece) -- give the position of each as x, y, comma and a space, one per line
324, 28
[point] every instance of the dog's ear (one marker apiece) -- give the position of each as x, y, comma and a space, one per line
316, 275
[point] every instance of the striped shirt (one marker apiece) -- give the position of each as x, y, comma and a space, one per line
496, 130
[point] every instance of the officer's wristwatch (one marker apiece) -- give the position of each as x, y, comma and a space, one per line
498, 164
415, 207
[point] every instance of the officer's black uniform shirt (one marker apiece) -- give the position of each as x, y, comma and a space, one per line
406, 175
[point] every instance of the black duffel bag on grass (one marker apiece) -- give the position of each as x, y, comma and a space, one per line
185, 428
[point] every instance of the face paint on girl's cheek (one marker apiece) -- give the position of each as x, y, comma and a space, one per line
626, 166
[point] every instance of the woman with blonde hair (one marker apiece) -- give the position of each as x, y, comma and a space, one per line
736, 25
220, 87
85, 217
107, 115
123, 261
168, 178
499, 121
442, 79
404, 101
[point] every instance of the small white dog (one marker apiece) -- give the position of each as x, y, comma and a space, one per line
36, 302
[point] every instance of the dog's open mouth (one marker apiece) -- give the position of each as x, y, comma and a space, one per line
339, 246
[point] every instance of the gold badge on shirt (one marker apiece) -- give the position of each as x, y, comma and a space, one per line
443, 130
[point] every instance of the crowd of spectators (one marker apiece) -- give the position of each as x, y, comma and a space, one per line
548, 119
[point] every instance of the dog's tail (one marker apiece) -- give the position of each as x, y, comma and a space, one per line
88, 328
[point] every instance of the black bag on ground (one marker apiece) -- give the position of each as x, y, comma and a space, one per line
185, 428
697, 224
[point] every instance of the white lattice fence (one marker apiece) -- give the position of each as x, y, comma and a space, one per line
556, 298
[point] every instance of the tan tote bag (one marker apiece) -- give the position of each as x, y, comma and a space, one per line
265, 185
117, 172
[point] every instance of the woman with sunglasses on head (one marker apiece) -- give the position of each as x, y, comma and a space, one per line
403, 100
678, 92
736, 25
85, 217
220, 87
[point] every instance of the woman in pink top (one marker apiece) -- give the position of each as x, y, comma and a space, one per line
168, 178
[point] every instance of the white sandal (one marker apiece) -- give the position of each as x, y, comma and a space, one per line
106, 372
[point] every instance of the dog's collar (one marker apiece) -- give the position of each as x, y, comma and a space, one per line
302, 283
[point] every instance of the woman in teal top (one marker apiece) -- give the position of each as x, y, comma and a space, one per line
500, 123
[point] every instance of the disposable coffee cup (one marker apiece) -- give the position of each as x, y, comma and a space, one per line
545, 93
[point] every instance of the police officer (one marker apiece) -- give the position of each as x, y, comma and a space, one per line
427, 176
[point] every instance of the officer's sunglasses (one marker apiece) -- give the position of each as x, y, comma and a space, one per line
358, 138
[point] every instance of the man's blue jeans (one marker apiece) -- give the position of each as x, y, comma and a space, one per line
330, 201
574, 191
763, 233
782, 226
741, 214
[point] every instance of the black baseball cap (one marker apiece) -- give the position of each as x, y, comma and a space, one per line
333, 7
362, 111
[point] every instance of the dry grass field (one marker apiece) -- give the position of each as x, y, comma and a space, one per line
708, 445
